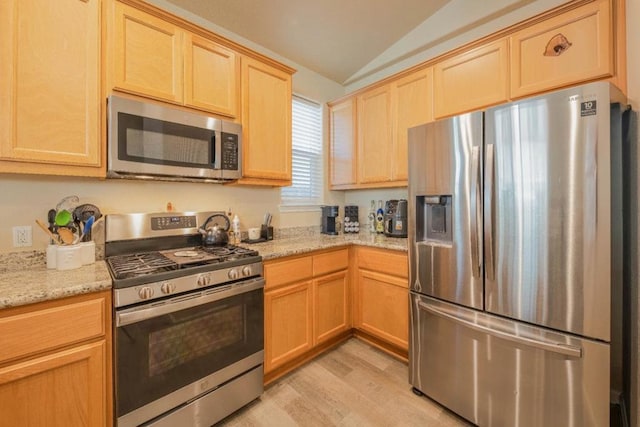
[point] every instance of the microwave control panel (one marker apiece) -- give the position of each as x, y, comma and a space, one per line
229, 151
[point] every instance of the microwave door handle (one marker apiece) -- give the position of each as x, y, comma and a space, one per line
215, 150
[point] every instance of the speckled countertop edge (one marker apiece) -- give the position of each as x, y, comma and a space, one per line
280, 248
39, 284
24, 279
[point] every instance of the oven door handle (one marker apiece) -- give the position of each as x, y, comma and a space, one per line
138, 314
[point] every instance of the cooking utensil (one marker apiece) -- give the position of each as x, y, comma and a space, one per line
216, 235
67, 203
51, 218
49, 233
63, 218
83, 212
66, 235
86, 231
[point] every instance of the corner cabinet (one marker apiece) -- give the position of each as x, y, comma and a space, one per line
154, 57
369, 132
306, 308
55, 363
266, 124
50, 87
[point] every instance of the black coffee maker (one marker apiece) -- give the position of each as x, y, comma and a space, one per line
395, 218
329, 220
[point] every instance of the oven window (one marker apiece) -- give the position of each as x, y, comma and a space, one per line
184, 342
160, 355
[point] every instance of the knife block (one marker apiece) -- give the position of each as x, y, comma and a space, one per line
266, 232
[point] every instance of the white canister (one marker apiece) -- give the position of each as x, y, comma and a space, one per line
254, 233
69, 257
52, 251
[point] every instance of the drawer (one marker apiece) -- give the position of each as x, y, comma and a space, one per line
41, 330
330, 262
384, 261
278, 273
564, 50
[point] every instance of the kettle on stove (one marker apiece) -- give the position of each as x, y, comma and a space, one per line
215, 235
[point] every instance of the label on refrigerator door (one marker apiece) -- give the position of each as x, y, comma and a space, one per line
588, 108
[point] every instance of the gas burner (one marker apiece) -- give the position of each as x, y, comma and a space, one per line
140, 264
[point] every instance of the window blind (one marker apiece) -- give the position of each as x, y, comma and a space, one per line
306, 150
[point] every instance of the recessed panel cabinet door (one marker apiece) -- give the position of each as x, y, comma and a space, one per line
266, 122
211, 76
343, 144
330, 294
50, 83
148, 55
374, 136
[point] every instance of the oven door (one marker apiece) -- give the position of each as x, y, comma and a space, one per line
169, 352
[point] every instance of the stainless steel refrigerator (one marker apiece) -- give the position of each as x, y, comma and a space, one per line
515, 246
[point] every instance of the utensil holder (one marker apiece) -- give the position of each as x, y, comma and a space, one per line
266, 232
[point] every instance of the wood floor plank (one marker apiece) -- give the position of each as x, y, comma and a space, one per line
354, 384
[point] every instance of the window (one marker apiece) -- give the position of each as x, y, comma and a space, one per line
306, 133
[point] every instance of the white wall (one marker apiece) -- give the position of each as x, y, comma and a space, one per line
26, 198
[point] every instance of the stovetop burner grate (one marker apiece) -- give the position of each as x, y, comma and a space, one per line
134, 265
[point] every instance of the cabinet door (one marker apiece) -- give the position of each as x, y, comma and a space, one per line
342, 149
266, 123
211, 76
331, 314
374, 135
50, 92
148, 54
66, 388
471, 80
564, 50
383, 307
288, 324
412, 106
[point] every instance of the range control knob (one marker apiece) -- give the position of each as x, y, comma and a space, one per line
145, 293
246, 271
167, 288
203, 280
233, 274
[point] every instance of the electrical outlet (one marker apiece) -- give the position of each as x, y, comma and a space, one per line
22, 236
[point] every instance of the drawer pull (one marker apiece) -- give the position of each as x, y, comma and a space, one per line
557, 45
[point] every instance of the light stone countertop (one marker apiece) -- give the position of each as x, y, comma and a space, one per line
36, 284
24, 279
284, 247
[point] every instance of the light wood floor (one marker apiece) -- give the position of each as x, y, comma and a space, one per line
352, 385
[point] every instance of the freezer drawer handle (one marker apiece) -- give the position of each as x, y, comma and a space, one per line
554, 347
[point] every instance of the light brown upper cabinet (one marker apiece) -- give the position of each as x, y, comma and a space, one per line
211, 76
567, 49
266, 124
471, 80
50, 87
376, 155
342, 146
412, 105
155, 58
374, 135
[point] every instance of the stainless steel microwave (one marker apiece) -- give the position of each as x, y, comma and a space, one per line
151, 141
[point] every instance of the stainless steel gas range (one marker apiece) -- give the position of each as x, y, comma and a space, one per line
188, 321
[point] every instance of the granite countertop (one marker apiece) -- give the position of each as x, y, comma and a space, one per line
283, 247
36, 284
26, 280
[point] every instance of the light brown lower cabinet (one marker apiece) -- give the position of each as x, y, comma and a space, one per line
306, 305
55, 363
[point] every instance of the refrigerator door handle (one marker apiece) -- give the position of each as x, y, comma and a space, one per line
475, 211
488, 212
555, 347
